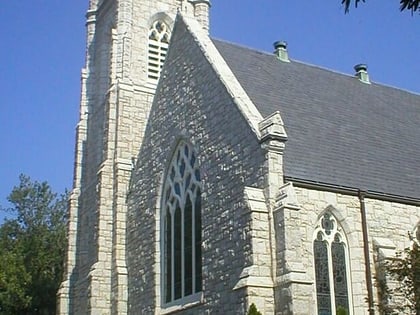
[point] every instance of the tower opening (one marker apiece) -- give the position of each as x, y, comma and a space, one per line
159, 35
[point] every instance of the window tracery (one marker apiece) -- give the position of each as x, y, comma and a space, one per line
331, 268
181, 209
159, 35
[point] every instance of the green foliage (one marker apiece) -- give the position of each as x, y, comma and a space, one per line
341, 311
253, 310
404, 270
405, 5
32, 248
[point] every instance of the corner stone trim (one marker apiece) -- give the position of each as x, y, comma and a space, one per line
287, 198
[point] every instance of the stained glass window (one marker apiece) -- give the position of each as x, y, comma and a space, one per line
182, 226
331, 268
322, 275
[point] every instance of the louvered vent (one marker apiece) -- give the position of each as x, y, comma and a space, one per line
159, 35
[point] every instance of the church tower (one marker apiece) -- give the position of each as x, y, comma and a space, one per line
127, 41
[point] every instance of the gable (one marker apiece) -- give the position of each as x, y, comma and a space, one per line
341, 132
196, 102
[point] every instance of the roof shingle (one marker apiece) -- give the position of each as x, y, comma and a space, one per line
341, 131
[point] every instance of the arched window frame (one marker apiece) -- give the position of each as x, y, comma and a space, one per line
181, 200
158, 44
416, 234
329, 232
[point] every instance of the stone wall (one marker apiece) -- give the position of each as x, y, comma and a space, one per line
193, 104
114, 109
199, 101
388, 223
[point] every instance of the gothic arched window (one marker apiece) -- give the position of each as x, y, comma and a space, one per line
181, 217
331, 268
159, 35
416, 234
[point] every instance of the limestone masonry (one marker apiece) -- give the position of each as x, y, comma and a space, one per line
203, 183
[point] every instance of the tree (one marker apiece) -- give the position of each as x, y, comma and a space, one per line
32, 249
253, 310
404, 295
405, 5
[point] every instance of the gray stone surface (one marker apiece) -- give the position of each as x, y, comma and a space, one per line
341, 131
115, 104
193, 104
250, 132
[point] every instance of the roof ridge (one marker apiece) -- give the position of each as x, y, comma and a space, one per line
309, 64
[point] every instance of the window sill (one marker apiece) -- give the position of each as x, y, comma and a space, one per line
182, 304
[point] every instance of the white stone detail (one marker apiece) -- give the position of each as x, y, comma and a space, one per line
287, 198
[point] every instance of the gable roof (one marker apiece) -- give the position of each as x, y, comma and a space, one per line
341, 132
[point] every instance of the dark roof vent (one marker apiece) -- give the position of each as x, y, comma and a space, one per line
361, 73
280, 50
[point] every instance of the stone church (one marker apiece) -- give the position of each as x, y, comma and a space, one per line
209, 176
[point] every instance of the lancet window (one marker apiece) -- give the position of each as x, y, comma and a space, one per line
331, 268
181, 217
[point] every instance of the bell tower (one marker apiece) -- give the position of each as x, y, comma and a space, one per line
127, 41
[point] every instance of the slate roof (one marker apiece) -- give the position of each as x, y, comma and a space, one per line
341, 132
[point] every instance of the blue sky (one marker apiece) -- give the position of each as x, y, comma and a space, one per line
43, 46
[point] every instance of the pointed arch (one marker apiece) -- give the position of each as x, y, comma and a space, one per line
332, 266
181, 226
415, 233
158, 44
